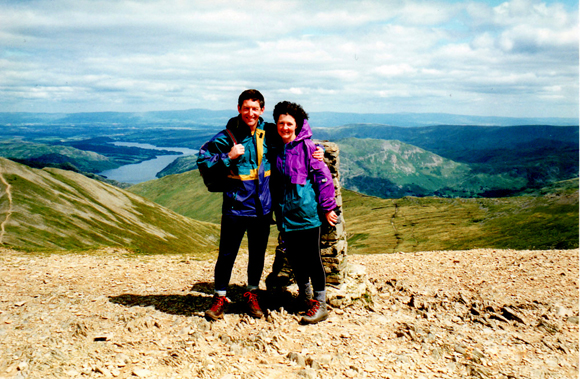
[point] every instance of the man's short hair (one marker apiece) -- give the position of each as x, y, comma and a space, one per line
253, 95
292, 109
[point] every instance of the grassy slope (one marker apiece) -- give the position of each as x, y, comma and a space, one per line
60, 210
542, 220
421, 224
187, 195
183, 193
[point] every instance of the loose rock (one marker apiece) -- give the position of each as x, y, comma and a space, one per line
450, 314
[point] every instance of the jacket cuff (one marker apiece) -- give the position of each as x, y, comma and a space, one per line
226, 160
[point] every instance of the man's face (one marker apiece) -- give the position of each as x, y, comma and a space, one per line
251, 112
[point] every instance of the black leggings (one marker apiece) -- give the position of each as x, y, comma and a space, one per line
233, 229
303, 252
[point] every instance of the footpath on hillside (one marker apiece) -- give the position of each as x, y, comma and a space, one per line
8, 192
451, 314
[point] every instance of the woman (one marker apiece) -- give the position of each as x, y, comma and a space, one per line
302, 189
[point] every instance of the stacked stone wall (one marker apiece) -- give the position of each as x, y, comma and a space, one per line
333, 238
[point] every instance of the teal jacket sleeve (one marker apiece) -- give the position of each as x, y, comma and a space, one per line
215, 151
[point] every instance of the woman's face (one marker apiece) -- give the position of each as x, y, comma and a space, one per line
286, 127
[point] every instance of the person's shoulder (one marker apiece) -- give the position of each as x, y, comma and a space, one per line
232, 123
309, 143
270, 127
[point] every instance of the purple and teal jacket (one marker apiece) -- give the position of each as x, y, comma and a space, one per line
302, 187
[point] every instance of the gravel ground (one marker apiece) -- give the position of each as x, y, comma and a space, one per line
451, 314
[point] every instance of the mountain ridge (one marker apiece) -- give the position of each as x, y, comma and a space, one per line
55, 209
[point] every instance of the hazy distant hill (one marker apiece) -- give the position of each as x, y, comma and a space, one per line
326, 119
319, 119
197, 116
456, 141
392, 169
56, 209
42, 155
538, 155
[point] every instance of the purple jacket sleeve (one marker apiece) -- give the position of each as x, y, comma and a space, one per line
322, 181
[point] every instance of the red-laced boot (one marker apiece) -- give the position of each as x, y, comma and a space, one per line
316, 312
253, 306
218, 306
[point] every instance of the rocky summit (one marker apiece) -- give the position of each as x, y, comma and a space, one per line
439, 314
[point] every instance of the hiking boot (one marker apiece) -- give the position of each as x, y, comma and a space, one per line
316, 312
218, 306
254, 309
302, 302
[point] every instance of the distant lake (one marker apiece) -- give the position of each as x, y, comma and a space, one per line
146, 170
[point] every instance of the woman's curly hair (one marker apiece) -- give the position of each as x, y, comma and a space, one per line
292, 109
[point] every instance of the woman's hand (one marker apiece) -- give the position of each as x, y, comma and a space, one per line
332, 218
236, 151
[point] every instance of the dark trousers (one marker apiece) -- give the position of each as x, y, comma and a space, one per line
233, 229
303, 252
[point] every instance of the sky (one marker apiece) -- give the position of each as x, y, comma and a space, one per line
490, 58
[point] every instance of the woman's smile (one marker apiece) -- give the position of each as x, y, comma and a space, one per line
286, 128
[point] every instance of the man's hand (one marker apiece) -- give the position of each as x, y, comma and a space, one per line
318, 154
332, 218
236, 151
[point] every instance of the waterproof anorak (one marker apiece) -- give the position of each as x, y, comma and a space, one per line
248, 189
302, 186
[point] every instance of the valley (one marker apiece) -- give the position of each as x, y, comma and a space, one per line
477, 160
414, 188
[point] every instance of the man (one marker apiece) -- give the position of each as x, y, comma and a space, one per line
246, 200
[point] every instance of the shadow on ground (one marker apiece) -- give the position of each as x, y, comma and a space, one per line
196, 304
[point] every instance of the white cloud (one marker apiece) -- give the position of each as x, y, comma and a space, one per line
395, 55
395, 70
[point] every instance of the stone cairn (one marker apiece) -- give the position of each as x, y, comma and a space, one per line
345, 283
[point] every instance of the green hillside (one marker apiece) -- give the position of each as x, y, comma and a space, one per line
393, 169
181, 164
546, 218
66, 157
547, 221
185, 194
53, 209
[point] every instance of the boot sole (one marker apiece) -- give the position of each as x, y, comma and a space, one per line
210, 317
310, 322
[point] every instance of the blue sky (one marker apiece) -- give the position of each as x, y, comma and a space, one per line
517, 58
